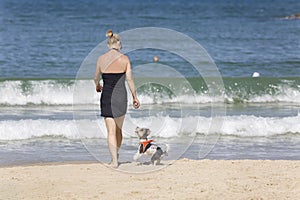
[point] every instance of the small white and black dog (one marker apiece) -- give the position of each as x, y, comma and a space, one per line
146, 147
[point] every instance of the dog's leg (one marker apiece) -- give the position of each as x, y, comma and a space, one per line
137, 156
153, 159
158, 162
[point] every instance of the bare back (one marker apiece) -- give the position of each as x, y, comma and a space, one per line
112, 62
115, 62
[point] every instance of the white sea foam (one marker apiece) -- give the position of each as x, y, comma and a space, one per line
165, 127
51, 92
284, 94
39, 92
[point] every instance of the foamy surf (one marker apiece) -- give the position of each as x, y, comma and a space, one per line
163, 127
237, 91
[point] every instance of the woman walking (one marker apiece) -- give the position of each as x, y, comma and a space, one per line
114, 67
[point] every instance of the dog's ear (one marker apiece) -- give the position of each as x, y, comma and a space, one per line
139, 132
145, 133
148, 132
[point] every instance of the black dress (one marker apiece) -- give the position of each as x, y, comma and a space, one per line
113, 101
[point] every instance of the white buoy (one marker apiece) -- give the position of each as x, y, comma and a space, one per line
255, 74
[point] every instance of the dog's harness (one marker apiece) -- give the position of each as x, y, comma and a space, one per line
144, 146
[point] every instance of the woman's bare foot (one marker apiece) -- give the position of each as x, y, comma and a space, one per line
114, 164
112, 160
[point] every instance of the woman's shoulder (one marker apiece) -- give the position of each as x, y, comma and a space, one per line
101, 57
124, 58
121, 57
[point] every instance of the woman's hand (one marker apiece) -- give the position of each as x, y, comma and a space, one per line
136, 103
99, 87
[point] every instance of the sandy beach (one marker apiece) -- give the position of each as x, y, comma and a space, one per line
183, 179
218, 80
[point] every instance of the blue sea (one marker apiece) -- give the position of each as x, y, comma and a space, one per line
43, 45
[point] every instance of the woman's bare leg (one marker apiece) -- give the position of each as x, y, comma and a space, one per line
119, 122
112, 140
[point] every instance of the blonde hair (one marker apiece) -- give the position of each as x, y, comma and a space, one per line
112, 38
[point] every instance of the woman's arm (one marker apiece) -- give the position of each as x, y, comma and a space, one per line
97, 76
129, 78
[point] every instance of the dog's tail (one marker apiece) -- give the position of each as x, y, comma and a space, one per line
166, 152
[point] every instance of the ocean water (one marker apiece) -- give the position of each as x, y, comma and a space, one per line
43, 44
